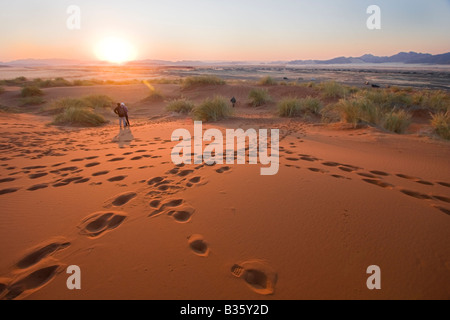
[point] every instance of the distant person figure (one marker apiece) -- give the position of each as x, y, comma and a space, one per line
233, 101
122, 112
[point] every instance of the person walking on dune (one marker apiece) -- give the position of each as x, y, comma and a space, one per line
122, 112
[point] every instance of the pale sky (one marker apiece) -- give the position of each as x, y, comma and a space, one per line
224, 29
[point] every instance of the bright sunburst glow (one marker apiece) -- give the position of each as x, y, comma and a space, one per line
115, 50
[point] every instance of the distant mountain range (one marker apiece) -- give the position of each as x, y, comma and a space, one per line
401, 58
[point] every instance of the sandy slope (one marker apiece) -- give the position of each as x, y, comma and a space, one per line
139, 227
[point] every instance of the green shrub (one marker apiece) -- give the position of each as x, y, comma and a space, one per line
80, 111
294, 107
79, 117
7, 109
202, 81
397, 121
349, 111
31, 101
213, 109
98, 101
441, 124
31, 91
267, 81
332, 89
181, 106
259, 97
289, 107
51, 83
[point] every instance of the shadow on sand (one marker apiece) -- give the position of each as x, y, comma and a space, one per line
124, 138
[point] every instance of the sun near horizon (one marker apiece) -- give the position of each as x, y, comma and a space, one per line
115, 50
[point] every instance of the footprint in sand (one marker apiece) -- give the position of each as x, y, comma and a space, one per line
380, 173
258, 276
37, 175
101, 173
223, 169
123, 199
184, 173
193, 181
317, 170
155, 181
118, 178
444, 184
9, 190
379, 183
156, 204
442, 209
427, 183
404, 176
441, 198
93, 164
99, 223
38, 187
183, 215
416, 195
31, 283
331, 164
198, 245
40, 253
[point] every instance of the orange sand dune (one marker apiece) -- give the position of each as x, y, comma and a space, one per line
139, 227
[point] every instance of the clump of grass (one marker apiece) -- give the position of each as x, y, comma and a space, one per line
51, 83
19, 81
349, 111
202, 81
2, 90
267, 81
80, 111
31, 91
181, 106
332, 89
213, 109
31, 101
7, 109
435, 100
441, 124
98, 101
294, 107
76, 116
259, 97
397, 121
165, 81
90, 82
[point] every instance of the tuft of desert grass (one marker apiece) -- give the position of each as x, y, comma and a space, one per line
213, 109
31, 101
31, 91
294, 107
397, 121
441, 124
190, 82
182, 105
259, 97
80, 111
267, 81
76, 116
332, 89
